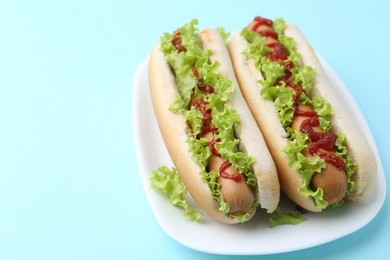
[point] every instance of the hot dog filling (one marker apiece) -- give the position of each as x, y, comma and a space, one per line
327, 169
203, 93
208, 128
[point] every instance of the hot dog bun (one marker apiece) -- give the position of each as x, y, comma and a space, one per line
274, 133
175, 132
342, 121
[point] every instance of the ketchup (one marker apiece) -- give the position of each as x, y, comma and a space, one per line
207, 126
269, 33
262, 21
222, 170
195, 72
176, 42
322, 144
298, 112
201, 105
206, 88
212, 147
278, 53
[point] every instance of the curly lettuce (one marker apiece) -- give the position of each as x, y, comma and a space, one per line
168, 182
280, 217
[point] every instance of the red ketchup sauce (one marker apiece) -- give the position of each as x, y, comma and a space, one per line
222, 171
212, 147
176, 42
322, 144
201, 105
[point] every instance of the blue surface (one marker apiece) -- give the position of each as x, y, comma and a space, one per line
69, 183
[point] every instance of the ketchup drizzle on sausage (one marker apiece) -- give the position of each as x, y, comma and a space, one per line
263, 21
269, 33
212, 147
201, 105
278, 52
322, 144
222, 171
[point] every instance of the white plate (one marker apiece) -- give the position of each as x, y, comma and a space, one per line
253, 237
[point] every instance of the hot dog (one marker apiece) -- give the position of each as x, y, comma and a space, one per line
208, 130
321, 155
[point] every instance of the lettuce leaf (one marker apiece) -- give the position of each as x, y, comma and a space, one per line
168, 182
208, 71
177, 106
283, 98
284, 104
304, 77
350, 166
271, 72
324, 111
200, 150
280, 218
225, 35
288, 43
256, 47
279, 25
194, 120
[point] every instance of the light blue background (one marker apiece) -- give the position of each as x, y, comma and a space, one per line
69, 183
